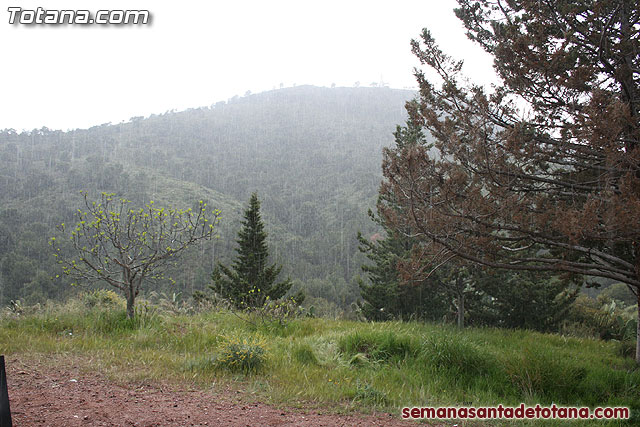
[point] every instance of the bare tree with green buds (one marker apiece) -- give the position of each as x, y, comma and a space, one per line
127, 247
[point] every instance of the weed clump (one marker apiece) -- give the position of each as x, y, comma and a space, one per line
304, 355
535, 373
456, 354
242, 355
367, 393
102, 298
201, 364
358, 359
111, 322
379, 346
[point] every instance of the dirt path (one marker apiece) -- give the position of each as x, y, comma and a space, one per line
65, 397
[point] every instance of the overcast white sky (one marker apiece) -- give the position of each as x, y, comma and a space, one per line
198, 52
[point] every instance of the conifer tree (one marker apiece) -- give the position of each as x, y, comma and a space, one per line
542, 172
250, 281
398, 287
521, 299
385, 295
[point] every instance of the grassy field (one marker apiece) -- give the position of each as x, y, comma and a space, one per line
342, 365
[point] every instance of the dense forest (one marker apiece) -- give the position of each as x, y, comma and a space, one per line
312, 155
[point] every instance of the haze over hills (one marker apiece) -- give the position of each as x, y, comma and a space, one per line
312, 154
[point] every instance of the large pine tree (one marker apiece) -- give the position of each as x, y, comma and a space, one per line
399, 288
250, 281
542, 173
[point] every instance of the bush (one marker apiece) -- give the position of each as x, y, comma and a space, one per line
602, 318
102, 298
242, 355
619, 292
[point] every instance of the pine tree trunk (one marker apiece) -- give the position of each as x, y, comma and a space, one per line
638, 330
460, 290
461, 311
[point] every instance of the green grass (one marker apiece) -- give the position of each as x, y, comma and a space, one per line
343, 365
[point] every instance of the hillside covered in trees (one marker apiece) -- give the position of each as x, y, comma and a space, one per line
312, 154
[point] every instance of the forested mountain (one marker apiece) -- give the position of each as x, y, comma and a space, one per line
312, 154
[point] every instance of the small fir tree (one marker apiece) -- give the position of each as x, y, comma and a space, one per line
250, 281
385, 295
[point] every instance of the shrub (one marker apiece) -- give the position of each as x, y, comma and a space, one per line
18, 308
603, 318
171, 303
242, 355
274, 316
102, 298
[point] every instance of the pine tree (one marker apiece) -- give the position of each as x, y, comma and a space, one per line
384, 295
486, 297
542, 172
250, 281
521, 299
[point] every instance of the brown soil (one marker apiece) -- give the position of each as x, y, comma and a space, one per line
66, 397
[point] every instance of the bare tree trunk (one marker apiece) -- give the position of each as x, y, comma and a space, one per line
130, 309
131, 298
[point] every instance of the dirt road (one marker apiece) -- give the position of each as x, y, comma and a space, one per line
67, 397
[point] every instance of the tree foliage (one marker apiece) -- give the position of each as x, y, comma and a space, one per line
384, 295
250, 281
541, 174
127, 247
521, 299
